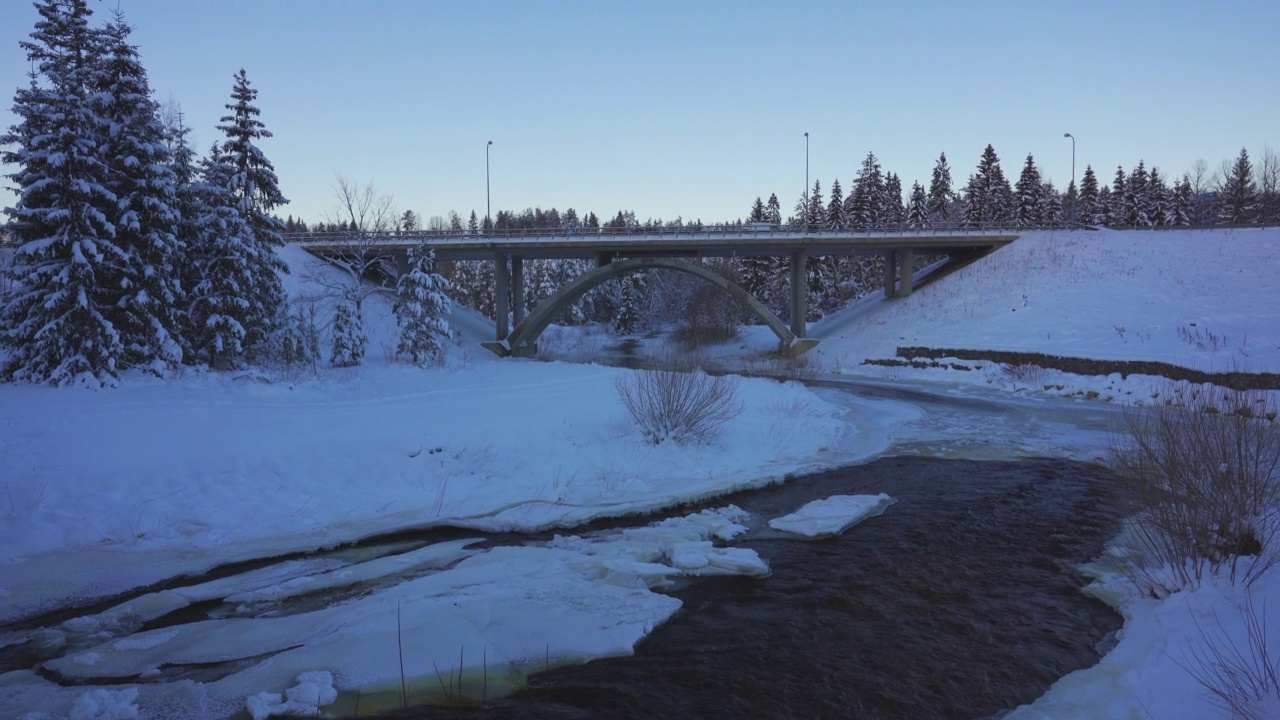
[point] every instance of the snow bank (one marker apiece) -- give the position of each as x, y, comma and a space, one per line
832, 515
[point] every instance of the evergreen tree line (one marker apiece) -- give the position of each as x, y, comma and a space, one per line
1239, 194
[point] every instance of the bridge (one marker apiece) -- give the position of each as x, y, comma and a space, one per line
619, 251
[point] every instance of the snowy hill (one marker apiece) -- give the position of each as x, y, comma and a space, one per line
1202, 299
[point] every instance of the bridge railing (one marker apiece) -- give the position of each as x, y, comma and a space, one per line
682, 231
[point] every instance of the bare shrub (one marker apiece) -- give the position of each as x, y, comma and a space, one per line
1024, 374
679, 406
1202, 473
1240, 681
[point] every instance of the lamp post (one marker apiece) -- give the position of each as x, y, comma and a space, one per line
1073, 173
487, 220
806, 182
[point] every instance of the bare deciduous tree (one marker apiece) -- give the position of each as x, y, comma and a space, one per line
360, 252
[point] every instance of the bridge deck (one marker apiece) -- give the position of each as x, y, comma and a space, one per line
662, 243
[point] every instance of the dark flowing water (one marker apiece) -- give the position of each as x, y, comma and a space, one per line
961, 601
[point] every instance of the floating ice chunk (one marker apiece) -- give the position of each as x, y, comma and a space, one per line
313, 691
101, 704
703, 558
145, 641
832, 515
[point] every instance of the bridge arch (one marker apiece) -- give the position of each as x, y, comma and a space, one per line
523, 337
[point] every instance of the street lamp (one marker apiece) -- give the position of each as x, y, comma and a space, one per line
1073, 172
487, 208
806, 182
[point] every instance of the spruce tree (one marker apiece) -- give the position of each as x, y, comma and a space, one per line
1087, 207
836, 219
348, 336
917, 209
757, 211
1239, 196
1181, 211
1049, 211
866, 199
894, 213
420, 308
250, 180
816, 216
1137, 200
1118, 210
146, 217
60, 322
224, 269
773, 210
988, 196
1158, 198
1028, 194
940, 193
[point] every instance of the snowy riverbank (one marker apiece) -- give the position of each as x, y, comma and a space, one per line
112, 490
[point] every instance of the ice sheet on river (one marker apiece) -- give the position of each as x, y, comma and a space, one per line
832, 515
503, 611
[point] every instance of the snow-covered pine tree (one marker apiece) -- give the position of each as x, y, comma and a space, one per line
917, 209
816, 218
421, 305
893, 212
866, 199
1028, 194
773, 210
1071, 201
222, 276
627, 320
58, 321
250, 180
988, 196
145, 218
1158, 196
836, 219
189, 205
757, 211
1049, 211
1239, 195
1118, 209
348, 336
1181, 211
1087, 204
1137, 201
1105, 205
940, 193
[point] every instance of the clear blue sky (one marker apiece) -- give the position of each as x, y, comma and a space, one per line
694, 108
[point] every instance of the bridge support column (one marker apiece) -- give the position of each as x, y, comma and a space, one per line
517, 289
402, 264
890, 273
905, 263
602, 259
500, 294
799, 292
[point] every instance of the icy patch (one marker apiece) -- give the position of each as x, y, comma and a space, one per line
313, 691
832, 515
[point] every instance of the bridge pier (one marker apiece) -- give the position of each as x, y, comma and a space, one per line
500, 294
905, 262
517, 289
890, 273
799, 292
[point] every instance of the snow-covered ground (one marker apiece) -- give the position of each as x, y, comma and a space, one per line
119, 489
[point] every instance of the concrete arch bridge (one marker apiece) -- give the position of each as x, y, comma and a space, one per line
619, 252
